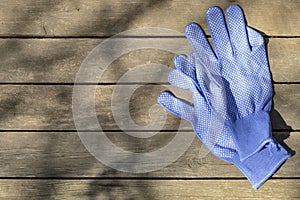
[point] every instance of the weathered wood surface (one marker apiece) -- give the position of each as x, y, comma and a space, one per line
58, 60
61, 154
49, 107
104, 18
147, 189
42, 45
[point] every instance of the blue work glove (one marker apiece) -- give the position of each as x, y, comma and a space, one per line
232, 94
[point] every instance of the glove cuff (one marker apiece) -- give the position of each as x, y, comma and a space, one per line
263, 164
251, 133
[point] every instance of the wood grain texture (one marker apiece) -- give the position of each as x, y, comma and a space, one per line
42, 45
49, 107
58, 60
62, 154
104, 18
147, 189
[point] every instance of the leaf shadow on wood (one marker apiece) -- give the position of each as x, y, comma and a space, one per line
48, 168
9, 104
112, 189
35, 64
125, 19
15, 49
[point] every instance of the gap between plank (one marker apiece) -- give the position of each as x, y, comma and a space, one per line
131, 83
108, 36
118, 131
140, 178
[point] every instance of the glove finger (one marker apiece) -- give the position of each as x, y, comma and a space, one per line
178, 79
176, 106
237, 29
198, 41
256, 40
258, 44
204, 74
218, 31
206, 81
183, 65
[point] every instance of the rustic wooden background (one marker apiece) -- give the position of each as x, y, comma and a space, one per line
42, 44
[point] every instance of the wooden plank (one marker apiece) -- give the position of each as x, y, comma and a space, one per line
62, 154
147, 189
103, 17
49, 107
58, 60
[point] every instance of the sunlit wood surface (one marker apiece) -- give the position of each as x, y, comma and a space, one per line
42, 45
